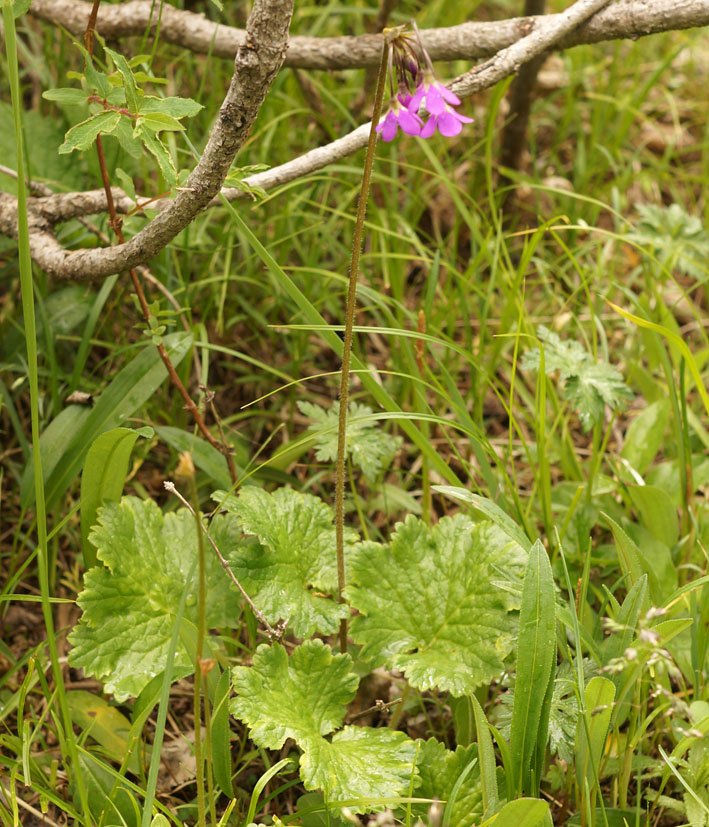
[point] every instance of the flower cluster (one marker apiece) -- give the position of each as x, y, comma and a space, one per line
418, 93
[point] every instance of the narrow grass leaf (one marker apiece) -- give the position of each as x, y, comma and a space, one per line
490, 509
105, 724
131, 387
205, 456
335, 342
486, 754
221, 736
536, 657
592, 730
103, 478
632, 562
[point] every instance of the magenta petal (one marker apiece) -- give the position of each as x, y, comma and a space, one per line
434, 101
409, 123
428, 128
449, 96
388, 127
449, 124
415, 102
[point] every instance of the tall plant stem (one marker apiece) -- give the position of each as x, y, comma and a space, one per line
347, 345
67, 741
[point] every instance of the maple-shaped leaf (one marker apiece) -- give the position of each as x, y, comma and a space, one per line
300, 697
368, 446
428, 603
129, 606
596, 386
439, 770
588, 385
359, 763
676, 238
291, 573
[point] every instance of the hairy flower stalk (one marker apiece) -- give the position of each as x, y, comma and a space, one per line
347, 344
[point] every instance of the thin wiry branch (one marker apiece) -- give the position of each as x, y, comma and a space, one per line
467, 41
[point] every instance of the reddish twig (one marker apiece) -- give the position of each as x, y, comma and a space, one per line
116, 224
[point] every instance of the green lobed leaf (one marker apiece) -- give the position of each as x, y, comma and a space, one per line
130, 605
68, 97
301, 696
175, 107
440, 770
159, 121
366, 444
155, 146
292, 573
359, 763
588, 385
83, 135
428, 603
676, 238
593, 388
129, 85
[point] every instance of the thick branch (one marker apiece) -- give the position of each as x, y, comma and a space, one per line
468, 41
257, 63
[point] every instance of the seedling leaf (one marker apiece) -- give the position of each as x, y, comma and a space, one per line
369, 447
588, 385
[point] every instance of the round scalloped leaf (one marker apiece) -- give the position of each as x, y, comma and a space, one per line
431, 604
129, 606
359, 763
292, 575
300, 696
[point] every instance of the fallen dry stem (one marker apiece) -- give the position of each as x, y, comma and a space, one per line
277, 632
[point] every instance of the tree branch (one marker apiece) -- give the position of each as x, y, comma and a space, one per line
624, 18
468, 41
256, 65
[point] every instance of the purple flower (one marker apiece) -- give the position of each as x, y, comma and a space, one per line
449, 123
399, 116
438, 101
433, 95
